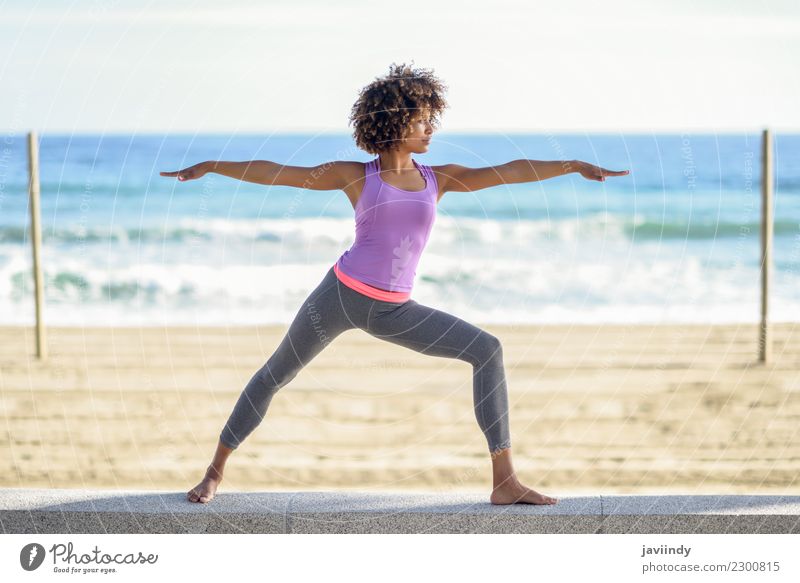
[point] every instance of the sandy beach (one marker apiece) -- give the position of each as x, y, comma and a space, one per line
599, 409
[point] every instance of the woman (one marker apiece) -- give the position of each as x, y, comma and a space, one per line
369, 286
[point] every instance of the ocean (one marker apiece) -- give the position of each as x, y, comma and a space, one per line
678, 240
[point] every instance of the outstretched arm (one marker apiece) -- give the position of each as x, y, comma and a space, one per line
329, 176
463, 179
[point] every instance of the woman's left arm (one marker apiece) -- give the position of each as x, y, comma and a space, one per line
463, 179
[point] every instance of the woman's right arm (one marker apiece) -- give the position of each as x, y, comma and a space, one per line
328, 176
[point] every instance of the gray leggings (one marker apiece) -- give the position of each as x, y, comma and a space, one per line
333, 308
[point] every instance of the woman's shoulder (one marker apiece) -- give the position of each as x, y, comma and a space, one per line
351, 169
355, 175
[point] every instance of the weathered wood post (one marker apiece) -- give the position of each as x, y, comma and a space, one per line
36, 240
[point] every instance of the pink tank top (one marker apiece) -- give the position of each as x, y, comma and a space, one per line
392, 228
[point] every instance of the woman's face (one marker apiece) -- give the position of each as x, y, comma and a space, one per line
419, 133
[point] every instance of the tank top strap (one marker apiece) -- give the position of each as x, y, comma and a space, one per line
429, 177
370, 176
372, 167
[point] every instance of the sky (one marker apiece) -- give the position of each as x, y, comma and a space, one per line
195, 66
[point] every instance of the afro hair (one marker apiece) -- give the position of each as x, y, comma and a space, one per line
387, 106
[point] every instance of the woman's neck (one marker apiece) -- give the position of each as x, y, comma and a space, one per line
396, 163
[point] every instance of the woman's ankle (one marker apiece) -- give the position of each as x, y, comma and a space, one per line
509, 481
213, 473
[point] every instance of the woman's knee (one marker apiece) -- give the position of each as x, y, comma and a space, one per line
487, 347
271, 377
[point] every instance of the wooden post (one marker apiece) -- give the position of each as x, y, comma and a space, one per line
36, 240
765, 332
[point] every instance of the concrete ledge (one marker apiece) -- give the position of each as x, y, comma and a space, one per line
111, 511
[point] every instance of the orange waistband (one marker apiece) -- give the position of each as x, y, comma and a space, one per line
372, 292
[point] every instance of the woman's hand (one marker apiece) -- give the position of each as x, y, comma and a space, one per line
591, 172
190, 173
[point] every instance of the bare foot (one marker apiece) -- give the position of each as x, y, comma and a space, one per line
513, 492
205, 490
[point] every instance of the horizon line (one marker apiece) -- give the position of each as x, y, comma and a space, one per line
482, 133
